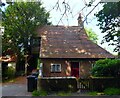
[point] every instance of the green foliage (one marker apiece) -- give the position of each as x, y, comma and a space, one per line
106, 67
91, 34
92, 93
20, 20
107, 91
36, 93
62, 93
10, 72
112, 91
109, 18
39, 93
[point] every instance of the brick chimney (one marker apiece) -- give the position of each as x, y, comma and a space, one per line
80, 22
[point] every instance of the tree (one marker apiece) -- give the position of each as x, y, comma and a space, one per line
20, 20
91, 34
109, 22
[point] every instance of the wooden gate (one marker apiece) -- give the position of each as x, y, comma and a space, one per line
84, 84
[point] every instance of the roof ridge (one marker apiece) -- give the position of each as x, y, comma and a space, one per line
60, 26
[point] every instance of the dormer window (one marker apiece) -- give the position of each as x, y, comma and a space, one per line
36, 41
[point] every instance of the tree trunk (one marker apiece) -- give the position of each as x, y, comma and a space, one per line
119, 54
19, 64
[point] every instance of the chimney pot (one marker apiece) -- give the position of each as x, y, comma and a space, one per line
80, 23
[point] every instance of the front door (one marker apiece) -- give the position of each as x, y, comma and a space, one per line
75, 69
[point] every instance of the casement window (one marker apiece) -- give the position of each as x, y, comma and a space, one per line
35, 41
55, 67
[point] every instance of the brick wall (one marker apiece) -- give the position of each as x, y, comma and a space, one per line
85, 67
47, 68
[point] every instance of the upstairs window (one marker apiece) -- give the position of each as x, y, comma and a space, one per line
36, 41
55, 67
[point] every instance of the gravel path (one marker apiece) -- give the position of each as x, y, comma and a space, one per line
15, 90
18, 87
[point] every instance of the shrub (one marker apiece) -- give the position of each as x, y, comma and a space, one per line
36, 93
39, 93
10, 72
106, 67
112, 91
63, 93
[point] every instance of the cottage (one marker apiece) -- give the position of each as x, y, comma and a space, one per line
67, 51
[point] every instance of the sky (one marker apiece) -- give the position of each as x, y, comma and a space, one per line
70, 19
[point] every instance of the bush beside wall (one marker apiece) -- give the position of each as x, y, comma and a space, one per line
58, 84
9, 73
112, 91
106, 68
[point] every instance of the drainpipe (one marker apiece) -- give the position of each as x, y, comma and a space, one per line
119, 44
26, 64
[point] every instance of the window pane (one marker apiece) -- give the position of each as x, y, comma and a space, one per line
36, 42
55, 68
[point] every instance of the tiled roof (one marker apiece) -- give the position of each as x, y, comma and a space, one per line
68, 42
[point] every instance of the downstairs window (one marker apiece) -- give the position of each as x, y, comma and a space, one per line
55, 67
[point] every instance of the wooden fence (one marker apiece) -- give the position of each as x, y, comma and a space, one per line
73, 84
98, 84
84, 84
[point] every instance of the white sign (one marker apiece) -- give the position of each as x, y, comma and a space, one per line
40, 69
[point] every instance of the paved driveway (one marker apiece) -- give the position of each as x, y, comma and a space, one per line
16, 88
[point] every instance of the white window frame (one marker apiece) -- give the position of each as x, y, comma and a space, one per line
56, 67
